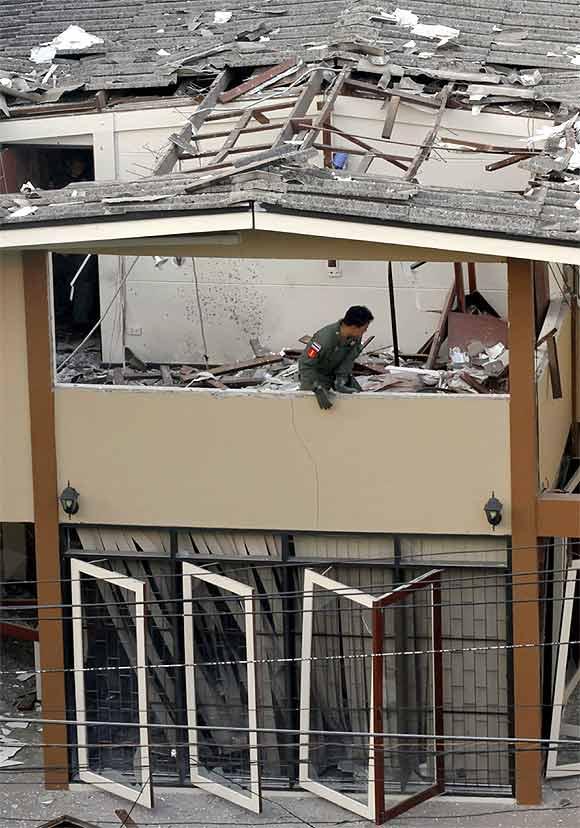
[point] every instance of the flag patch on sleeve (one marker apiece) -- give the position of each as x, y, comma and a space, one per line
313, 350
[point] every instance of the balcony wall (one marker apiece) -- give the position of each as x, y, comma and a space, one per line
381, 463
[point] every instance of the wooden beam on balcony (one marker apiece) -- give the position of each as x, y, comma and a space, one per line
525, 559
558, 515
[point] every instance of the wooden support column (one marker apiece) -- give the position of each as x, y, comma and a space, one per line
525, 561
46, 518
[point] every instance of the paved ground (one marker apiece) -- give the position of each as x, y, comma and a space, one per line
25, 805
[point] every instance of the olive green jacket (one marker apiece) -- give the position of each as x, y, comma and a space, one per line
327, 358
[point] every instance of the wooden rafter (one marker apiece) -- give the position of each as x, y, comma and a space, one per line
300, 108
232, 138
424, 151
169, 159
391, 116
323, 117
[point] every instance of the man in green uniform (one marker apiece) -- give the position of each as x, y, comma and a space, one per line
328, 359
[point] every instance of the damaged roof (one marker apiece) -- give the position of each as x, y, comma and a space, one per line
156, 45
546, 212
497, 55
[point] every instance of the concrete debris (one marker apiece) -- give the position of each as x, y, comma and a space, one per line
222, 16
73, 39
23, 212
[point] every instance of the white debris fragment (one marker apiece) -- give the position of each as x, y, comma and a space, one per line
24, 676
49, 74
28, 189
443, 33
410, 44
574, 162
18, 725
576, 60
23, 212
163, 53
6, 83
74, 39
222, 16
551, 132
405, 18
159, 261
409, 20
425, 55
530, 78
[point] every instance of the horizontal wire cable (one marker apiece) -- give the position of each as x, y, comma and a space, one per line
112, 555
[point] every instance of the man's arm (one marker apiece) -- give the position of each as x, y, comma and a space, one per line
345, 369
309, 365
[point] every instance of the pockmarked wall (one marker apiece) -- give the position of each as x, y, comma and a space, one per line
396, 463
16, 503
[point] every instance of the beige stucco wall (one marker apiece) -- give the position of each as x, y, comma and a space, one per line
16, 502
381, 463
554, 416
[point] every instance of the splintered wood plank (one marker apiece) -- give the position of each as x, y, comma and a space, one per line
459, 285
425, 150
166, 375
472, 276
232, 138
257, 80
323, 116
253, 163
365, 163
300, 108
391, 116
441, 330
392, 159
257, 362
169, 159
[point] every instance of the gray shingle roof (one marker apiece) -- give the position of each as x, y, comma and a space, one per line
511, 33
548, 212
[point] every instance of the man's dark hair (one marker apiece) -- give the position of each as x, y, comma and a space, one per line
358, 316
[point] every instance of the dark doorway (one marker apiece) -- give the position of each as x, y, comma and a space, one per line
76, 301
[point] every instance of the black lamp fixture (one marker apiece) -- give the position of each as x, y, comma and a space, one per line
493, 509
69, 500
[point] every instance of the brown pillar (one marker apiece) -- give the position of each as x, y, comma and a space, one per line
46, 519
524, 491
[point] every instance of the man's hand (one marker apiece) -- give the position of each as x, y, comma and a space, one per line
322, 397
343, 387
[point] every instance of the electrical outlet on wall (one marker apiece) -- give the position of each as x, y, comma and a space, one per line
334, 269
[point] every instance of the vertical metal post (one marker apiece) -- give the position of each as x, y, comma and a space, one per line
393, 312
290, 614
46, 518
525, 563
181, 658
378, 741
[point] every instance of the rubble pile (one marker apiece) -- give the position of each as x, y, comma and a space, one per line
468, 365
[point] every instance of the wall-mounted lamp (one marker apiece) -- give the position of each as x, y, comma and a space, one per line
493, 509
69, 500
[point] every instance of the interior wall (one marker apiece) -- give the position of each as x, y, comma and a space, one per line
16, 504
249, 460
279, 301
554, 415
